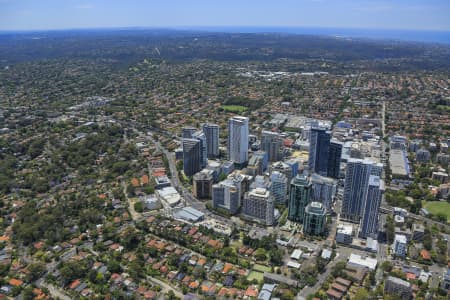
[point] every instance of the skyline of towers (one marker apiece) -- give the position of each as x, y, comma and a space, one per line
309, 198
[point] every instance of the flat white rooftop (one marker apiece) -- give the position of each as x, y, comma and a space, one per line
400, 238
358, 260
293, 264
345, 229
296, 254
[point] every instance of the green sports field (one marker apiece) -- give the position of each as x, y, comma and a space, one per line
261, 268
255, 275
435, 207
234, 108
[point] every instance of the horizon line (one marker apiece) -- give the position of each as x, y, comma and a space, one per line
194, 27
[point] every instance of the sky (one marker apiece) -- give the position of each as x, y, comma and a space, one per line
367, 14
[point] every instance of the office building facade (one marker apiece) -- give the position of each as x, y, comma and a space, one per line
299, 197
271, 143
202, 184
225, 195
211, 132
258, 163
191, 156
323, 190
238, 132
369, 221
200, 136
319, 146
187, 132
259, 205
315, 219
356, 188
284, 168
334, 159
294, 164
279, 187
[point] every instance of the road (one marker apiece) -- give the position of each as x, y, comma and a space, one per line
308, 290
165, 287
383, 119
381, 257
133, 213
386, 209
54, 291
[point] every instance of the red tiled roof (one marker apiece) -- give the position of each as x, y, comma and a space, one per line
149, 295
252, 291
38, 245
194, 284
227, 268
223, 292
15, 282
74, 284
144, 180
339, 288
334, 294
411, 276
425, 254
135, 182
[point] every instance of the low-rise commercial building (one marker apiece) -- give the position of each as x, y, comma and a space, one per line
359, 261
189, 214
398, 162
400, 245
169, 195
344, 234
398, 287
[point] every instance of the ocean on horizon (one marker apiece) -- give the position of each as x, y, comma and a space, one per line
424, 36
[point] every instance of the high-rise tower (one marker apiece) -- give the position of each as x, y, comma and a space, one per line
319, 144
300, 194
238, 140
211, 132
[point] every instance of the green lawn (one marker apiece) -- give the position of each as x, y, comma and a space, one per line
262, 268
255, 275
435, 207
236, 244
234, 108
